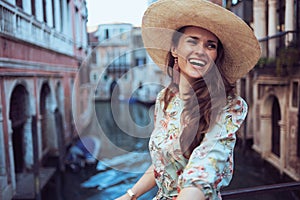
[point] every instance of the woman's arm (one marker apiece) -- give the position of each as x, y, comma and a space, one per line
191, 193
144, 184
210, 165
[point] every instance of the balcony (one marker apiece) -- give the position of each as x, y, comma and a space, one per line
280, 54
17, 24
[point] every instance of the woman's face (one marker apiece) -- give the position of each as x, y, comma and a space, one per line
196, 52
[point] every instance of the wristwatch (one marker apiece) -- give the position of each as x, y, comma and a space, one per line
130, 193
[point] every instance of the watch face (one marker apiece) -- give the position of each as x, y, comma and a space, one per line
131, 194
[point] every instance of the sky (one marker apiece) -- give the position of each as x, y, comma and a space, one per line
111, 11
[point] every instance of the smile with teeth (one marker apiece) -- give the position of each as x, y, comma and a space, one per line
197, 62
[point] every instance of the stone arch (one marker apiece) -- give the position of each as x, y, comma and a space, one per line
271, 126
276, 118
59, 95
114, 90
19, 116
47, 119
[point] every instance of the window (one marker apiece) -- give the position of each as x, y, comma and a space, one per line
106, 34
19, 3
44, 10
53, 12
276, 117
61, 14
33, 7
123, 60
94, 57
140, 61
280, 15
295, 94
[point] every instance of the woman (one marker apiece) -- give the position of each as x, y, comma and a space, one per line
207, 49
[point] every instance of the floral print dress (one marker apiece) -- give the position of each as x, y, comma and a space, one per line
210, 165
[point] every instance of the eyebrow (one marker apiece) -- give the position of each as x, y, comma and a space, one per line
197, 38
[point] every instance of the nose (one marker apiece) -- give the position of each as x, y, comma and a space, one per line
199, 49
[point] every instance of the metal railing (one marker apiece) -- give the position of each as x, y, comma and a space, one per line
237, 193
271, 45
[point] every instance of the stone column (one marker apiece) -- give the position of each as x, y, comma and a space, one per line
260, 26
2, 155
3, 173
27, 7
255, 107
28, 154
289, 20
283, 145
40, 136
265, 135
11, 155
57, 15
49, 15
272, 27
65, 17
39, 10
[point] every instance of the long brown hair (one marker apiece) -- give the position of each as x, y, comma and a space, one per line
201, 109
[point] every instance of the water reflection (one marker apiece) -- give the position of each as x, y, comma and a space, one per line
127, 125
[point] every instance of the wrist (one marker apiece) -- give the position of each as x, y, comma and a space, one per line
131, 194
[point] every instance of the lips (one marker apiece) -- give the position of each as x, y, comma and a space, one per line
197, 62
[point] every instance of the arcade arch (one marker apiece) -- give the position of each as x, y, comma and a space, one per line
48, 132
271, 122
20, 124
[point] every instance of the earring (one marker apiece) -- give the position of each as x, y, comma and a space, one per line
176, 71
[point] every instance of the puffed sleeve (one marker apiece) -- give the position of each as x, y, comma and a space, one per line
158, 108
210, 165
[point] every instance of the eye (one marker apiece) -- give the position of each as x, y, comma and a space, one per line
192, 41
212, 46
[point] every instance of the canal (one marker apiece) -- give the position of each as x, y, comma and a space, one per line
124, 129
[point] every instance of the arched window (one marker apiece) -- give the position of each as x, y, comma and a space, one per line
18, 114
276, 117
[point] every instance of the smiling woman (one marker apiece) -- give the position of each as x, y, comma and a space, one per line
197, 52
198, 114
103, 12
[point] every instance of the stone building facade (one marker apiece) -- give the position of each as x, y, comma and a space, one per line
43, 43
119, 59
272, 88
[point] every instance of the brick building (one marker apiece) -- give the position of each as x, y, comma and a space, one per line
43, 43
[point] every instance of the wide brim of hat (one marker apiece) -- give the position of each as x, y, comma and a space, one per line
161, 19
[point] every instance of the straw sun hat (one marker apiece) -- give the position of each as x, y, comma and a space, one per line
161, 19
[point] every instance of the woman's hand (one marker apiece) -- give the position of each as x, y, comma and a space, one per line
144, 184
